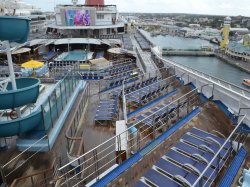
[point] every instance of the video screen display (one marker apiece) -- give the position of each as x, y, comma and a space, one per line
78, 17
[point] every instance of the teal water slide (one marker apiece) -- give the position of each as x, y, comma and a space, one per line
15, 29
27, 92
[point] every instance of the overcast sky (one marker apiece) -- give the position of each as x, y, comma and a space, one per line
218, 7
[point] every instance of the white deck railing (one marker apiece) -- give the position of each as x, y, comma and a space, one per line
233, 96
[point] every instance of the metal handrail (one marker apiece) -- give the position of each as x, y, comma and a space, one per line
4, 83
96, 161
126, 130
75, 114
242, 109
216, 78
218, 152
24, 151
3, 175
195, 70
72, 119
43, 172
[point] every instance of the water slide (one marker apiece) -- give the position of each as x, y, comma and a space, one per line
27, 92
16, 29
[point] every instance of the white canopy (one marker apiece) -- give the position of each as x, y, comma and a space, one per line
77, 41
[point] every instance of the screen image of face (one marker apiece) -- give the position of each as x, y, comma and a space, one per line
78, 17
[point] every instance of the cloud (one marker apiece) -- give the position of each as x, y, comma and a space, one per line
218, 7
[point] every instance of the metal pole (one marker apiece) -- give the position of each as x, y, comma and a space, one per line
124, 103
10, 64
12, 74
2, 174
68, 45
50, 112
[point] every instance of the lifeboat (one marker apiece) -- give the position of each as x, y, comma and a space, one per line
246, 82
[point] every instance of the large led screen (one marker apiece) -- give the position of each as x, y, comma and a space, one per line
78, 17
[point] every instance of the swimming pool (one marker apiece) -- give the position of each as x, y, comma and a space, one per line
75, 56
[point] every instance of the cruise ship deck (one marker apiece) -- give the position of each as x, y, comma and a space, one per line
127, 128
124, 119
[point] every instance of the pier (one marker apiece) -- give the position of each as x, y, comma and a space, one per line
244, 66
187, 52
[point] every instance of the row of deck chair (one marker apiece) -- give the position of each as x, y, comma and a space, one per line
158, 113
121, 62
119, 80
120, 65
135, 87
141, 85
91, 76
121, 69
120, 75
63, 63
145, 94
107, 110
183, 163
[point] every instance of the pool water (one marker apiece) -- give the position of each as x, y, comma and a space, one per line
75, 55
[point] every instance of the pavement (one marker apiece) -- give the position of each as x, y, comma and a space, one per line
245, 66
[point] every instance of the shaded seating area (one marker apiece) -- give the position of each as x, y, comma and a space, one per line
187, 159
99, 54
34, 68
41, 72
26, 72
49, 55
107, 111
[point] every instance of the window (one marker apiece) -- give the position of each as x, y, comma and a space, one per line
100, 16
